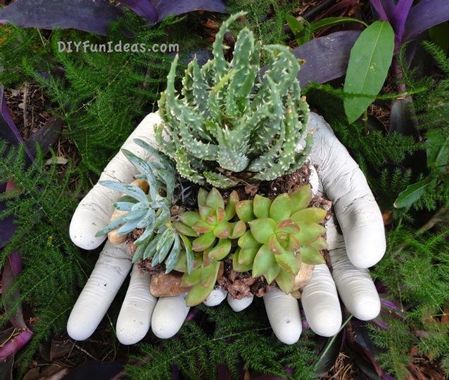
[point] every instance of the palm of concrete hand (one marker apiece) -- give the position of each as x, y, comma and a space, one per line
361, 246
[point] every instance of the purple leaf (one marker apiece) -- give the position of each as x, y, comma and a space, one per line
7, 228
143, 8
326, 58
400, 15
9, 133
8, 130
11, 304
425, 15
12, 268
167, 8
379, 8
15, 343
94, 16
89, 15
389, 6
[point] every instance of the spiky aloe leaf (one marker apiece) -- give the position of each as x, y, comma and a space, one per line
232, 117
219, 180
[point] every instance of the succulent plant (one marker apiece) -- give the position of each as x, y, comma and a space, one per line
235, 119
213, 233
201, 279
150, 211
284, 232
211, 224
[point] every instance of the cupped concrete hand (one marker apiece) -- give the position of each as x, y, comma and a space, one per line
361, 246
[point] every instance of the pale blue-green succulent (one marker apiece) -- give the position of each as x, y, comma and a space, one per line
235, 120
150, 212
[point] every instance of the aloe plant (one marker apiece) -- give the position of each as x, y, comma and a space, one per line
232, 120
283, 233
150, 212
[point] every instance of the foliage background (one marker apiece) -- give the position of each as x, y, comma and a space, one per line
100, 98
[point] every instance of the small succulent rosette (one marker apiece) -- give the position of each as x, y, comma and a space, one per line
224, 200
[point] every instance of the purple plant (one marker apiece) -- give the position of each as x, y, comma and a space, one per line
95, 16
410, 21
21, 334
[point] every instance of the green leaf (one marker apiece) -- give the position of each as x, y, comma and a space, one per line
261, 206
262, 229
190, 257
236, 263
230, 205
201, 227
287, 261
244, 210
309, 215
309, 233
368, 66
295, 25
288, 226
411, 194
184, 229
246, 255
265, 264
221, 250
247, 241
192, 278
189, 218
239, 228
275, 246
203, 242
205, 212
311, 256
332, 21
214, 199
202, 196
285, 281
437, 151
223, 230
300, 198
280, 207
209, 274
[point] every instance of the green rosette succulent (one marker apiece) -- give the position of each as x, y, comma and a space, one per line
284, 232
212, 232
150, 212
235, 120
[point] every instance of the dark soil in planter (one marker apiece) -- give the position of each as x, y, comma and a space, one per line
240, 285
